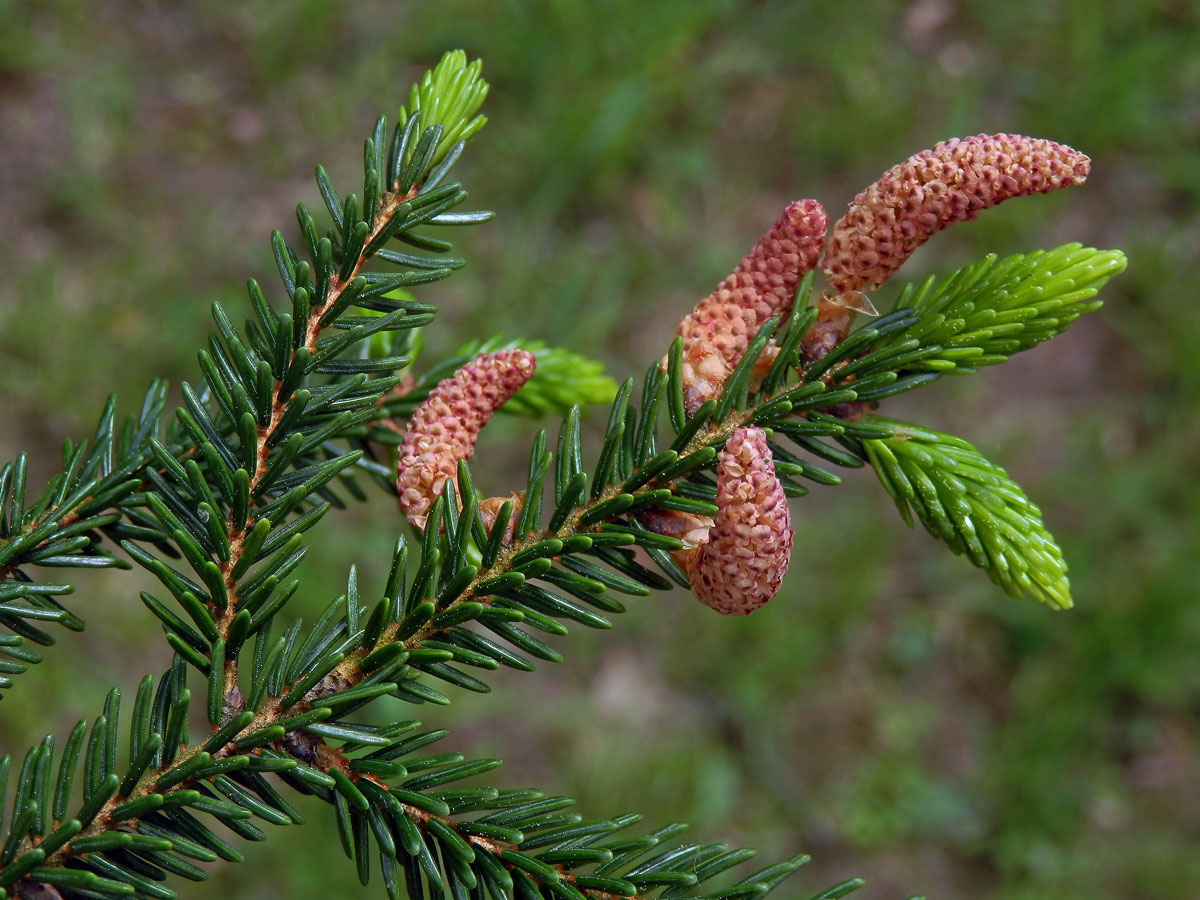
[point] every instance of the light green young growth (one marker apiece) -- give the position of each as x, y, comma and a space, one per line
987, 311
449, 95
974, 507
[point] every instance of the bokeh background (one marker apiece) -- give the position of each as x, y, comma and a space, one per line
891, 712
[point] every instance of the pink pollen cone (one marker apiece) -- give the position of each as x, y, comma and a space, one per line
932, 190
716, 333
446, 425
749, 545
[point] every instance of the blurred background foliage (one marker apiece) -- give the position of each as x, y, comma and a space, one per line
891, 712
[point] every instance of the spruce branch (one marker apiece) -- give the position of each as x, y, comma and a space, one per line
301, 690
63, 527
268, 414
287, 409
222, 539
390, 793
467, 576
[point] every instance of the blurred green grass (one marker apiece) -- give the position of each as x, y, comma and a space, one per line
891, 712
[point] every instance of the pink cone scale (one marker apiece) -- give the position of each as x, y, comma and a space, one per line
931, 190
742, 564
716, 333
445, 427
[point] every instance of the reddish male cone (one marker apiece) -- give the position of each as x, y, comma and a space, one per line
743, 562
933, 189
716, 333
446, 425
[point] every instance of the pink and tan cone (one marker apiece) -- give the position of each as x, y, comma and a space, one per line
716, 333
742, 564
444, 428
931, 190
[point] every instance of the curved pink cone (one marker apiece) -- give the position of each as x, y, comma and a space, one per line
933, 189
446, 425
